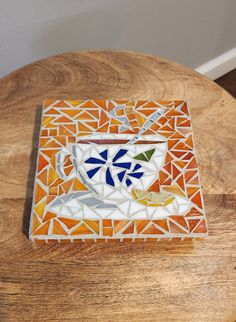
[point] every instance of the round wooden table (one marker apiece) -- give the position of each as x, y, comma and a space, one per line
146, 281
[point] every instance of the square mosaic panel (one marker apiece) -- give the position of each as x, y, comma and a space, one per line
116, 170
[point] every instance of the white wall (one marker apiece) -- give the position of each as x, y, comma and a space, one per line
188, 31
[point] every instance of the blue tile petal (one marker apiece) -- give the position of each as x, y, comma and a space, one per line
125, 165
128, 182
136, 174
103, 154
119, 154
137, 166
121, 175
109, 179
92, 172
95, 161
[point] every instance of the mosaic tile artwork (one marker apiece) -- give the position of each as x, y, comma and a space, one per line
116, 170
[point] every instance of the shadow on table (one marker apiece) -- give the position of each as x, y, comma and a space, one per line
31, 173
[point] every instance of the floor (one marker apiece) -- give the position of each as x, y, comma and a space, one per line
228, 82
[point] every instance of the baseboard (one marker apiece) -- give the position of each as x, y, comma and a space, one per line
219, 66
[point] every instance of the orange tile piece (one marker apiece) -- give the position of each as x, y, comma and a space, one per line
107, 222
168, 157
83, 128
71, 128
180, 220
43, 176
104, 128
52, 144
119, 224
77, 185
192, 164
175, 171
61, 103
180, 182
67, 162
35, 222
81, 230
44, 132
102, 104
68, 170
201, 228
50, 153
43, 141
63, 130
71, 139
53, 191
75, 102
184, 109
193, 212
178, 154
39, 193
85, 116
173, 112
114, 129
172, 143
58, 229
94, 113
43, 229
168, 167
53, 175
70, 223
61, 139
155, 187
71, 113
108, 231
49, 215
146, 112
141, 224
63, 119
185, 124
197, 199
103, 118
166, 128
66, 185
194, 181
176, 229
94, 125
162, 223
163, 176
39, 208
174, 188
129, 229
42, 162
52, 111
188, 156
91, 104
181, 164
193, 223
152, 229
189, 174
56, 183
181, 146
94, 224
177, 135
53, 132
150, 104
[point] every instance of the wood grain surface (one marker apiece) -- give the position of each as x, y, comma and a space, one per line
129, 281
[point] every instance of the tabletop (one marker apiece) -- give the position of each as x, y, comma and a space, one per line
116, 281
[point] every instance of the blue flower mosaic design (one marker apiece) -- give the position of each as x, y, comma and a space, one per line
129, 170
